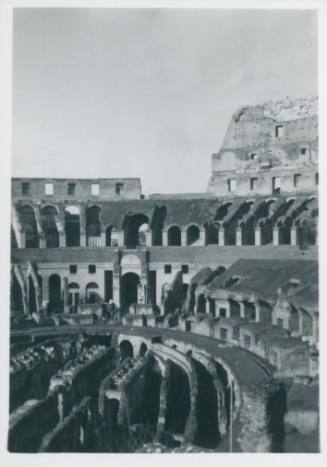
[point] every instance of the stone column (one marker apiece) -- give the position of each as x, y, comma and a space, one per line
257, 311
202, 239
276, 236
183, 237
293, 235
239, 236
62, 239
42, 242
22, 240
164, 238
148, 238
207, 307
257, 236
242, 309
116, 289
103, 239
83, 238
221, 235
120, 235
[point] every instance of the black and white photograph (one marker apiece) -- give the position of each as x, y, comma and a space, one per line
163, 283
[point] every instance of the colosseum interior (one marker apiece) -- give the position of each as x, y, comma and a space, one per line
172, 323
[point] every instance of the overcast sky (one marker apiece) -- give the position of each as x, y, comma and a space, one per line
147, 93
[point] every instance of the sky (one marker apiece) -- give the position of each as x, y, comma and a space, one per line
147, 93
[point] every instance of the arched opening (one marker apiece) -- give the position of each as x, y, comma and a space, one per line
207, 434
126, 350
211, 234
235, 309
17, 304
73, 297
192, 235
49, 226
158, 221
143, 349
201, 304
212, 307
92, 293
32, 302
178, 400
174, 236
72, 226
27, 217
249, 311
284, 234
129, 289
55, 302
93, 226
135, 227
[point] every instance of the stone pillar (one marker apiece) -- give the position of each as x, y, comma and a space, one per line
148, 238
276, 236
83, 238
62, 239
103, 239
207, 307
183, 237
221, 236
164, 238
22, 240
242, 309
116, 289
42, 242
257, 311
120, 236
239, 236
202, 239
293, 235
257, 236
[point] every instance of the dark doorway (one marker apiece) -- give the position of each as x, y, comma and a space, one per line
108, 284
174, 236
17, 296
129, 286
31, 296
48, 219
72, 226
55, 303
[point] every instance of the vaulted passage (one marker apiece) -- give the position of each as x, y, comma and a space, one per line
135, 227
192, 234
93, 226
16, 297
276, 410
27, 217
55, 301
72, 226
129, 288
206, 409
178, 400
49, 226
126, 350
174, 236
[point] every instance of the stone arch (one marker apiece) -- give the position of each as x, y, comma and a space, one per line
192, 234
28, 220
93, 226
92, 293
72, 226
49, 215
174, 236
201, 303
143, 349
178, 400
55, 300
73, 296
17, 301
135, 227
126, 349
129, 289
